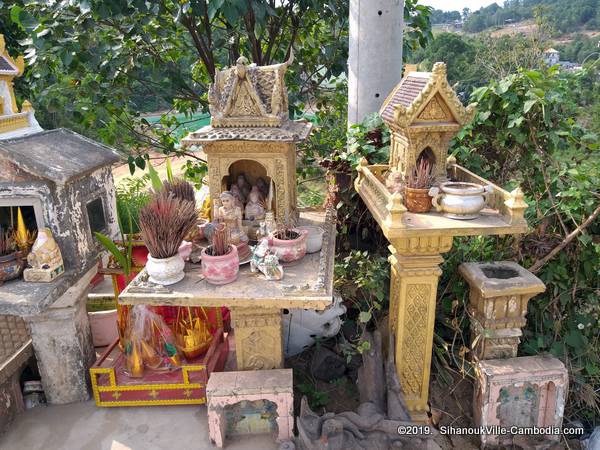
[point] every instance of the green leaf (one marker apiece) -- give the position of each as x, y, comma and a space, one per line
157, 183
114, 250
364, 316
169, 170
528, 105
592, 369
213, 8
575, 340
84, 6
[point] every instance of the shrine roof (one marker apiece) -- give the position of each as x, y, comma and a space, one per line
419, 90
406, 93
6, 67
59, 155
290, 131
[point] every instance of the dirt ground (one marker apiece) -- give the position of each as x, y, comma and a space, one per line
451, 398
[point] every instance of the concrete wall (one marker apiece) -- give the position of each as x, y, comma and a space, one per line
375, 54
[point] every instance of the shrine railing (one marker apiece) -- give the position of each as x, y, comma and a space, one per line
14, 122
504, 214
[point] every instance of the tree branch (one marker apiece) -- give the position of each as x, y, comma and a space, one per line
566, 241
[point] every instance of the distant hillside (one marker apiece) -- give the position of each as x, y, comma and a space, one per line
564, 16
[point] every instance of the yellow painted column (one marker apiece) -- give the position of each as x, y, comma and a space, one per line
414, 278
258, 338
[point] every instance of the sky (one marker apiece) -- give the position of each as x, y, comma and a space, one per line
458, 5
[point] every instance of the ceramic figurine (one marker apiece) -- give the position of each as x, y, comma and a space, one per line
45, 259
237, 194
263, 187
270, 224
266, 262
394, 182
243, 185
231, 215
254, 208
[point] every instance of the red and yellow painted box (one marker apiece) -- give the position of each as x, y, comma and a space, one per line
112, 387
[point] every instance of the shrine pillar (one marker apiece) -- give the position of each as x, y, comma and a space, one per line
375, 54
413, 292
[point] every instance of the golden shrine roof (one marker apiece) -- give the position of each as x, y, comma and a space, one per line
247, 95
416, 91
8, 65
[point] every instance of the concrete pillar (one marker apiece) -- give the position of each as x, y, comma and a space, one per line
375, 54
63, 347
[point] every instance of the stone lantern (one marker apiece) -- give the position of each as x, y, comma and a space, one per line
424, 114
251, 133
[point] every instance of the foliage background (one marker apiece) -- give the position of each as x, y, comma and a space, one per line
98, 66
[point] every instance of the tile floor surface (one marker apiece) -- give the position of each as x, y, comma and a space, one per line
83, 426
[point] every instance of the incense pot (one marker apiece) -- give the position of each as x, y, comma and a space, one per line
221, 269
165, 271
460, 200
288, 249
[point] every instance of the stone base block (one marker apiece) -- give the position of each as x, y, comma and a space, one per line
494, 343
523, 392
43, 275
230, 388
62, 341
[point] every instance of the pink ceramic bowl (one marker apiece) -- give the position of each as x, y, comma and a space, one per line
289, 250
221, 269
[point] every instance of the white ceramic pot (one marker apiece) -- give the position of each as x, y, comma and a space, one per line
104, 327
460, 200
165, 271
314, 238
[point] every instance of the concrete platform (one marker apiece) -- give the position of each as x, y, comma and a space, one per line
83, 426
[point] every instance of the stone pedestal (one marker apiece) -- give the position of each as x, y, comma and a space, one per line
523, 392
498, 297
414, 277
229, 388
63, 347
258, 338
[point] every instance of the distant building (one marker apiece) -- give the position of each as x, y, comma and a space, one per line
551, 57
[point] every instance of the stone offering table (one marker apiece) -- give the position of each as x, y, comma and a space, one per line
256, 303
417, 244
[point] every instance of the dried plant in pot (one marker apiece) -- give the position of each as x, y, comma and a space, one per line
418, 182
220, 260
12, 261
164, 222
289, 244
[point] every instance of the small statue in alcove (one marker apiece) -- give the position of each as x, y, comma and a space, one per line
243, 186
237, 194
231, 215
263, 187
255, 209
45, 260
